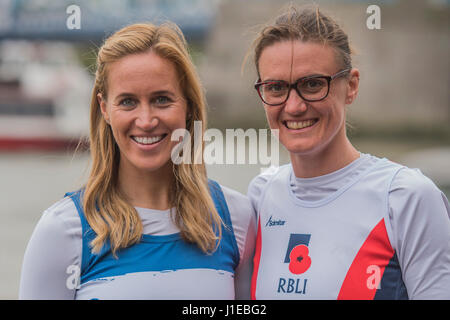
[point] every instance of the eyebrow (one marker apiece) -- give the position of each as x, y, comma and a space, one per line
155, 93
163, 92
301, 78
313, 76
124, 94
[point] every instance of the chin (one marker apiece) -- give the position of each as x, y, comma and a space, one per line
154, 167
150, 165
300, 151
299, 147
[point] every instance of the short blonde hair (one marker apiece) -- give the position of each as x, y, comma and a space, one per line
305, 24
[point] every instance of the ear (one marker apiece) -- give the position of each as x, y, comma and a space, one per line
352, 86
103, 108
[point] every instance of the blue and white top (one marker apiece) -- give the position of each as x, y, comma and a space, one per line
59, 263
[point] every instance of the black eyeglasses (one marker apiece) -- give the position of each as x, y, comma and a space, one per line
311, 88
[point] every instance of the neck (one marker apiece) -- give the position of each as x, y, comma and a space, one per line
321, 162
146, 189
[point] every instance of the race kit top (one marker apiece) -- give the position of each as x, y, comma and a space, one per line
59, 264
371, 230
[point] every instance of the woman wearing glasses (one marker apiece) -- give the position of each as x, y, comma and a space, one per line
143, 227
336, 223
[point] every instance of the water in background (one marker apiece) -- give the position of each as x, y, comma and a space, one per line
31, 182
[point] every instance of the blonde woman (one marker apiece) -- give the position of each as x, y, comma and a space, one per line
142, 227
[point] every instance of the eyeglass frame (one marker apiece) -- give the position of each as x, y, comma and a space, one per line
294, 86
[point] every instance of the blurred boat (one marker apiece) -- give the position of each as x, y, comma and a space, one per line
44, 90
44, 96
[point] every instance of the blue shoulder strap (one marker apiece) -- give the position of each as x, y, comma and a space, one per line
222, 208
87, 233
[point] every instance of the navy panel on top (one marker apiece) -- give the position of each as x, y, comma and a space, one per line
392, 286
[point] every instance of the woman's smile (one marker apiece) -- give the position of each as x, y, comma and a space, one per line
149, 140
300, 124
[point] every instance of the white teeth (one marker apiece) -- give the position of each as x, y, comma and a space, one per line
147, 140
299, 124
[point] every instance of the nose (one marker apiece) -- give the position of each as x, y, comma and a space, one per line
146, 118
295, 104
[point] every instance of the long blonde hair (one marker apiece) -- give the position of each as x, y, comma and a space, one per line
106, 209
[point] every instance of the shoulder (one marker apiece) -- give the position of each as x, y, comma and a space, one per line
57, 224
264, 177
242, 218
258, 184
413, 183
54, 245
233, 195
62, 216
62, 207
415, 202
401, 179
238, 204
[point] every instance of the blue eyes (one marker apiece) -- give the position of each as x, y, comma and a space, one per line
159, 101
127, 102
162, 100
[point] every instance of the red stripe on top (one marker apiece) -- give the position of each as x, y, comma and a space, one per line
369, 264
256, 260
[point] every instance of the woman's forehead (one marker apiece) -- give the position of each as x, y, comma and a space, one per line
141, 70
295, 58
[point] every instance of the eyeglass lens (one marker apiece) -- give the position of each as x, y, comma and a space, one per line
276, 92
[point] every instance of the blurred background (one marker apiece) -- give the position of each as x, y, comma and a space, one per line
46, 67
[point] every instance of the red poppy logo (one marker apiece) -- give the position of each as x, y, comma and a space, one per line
300, 261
